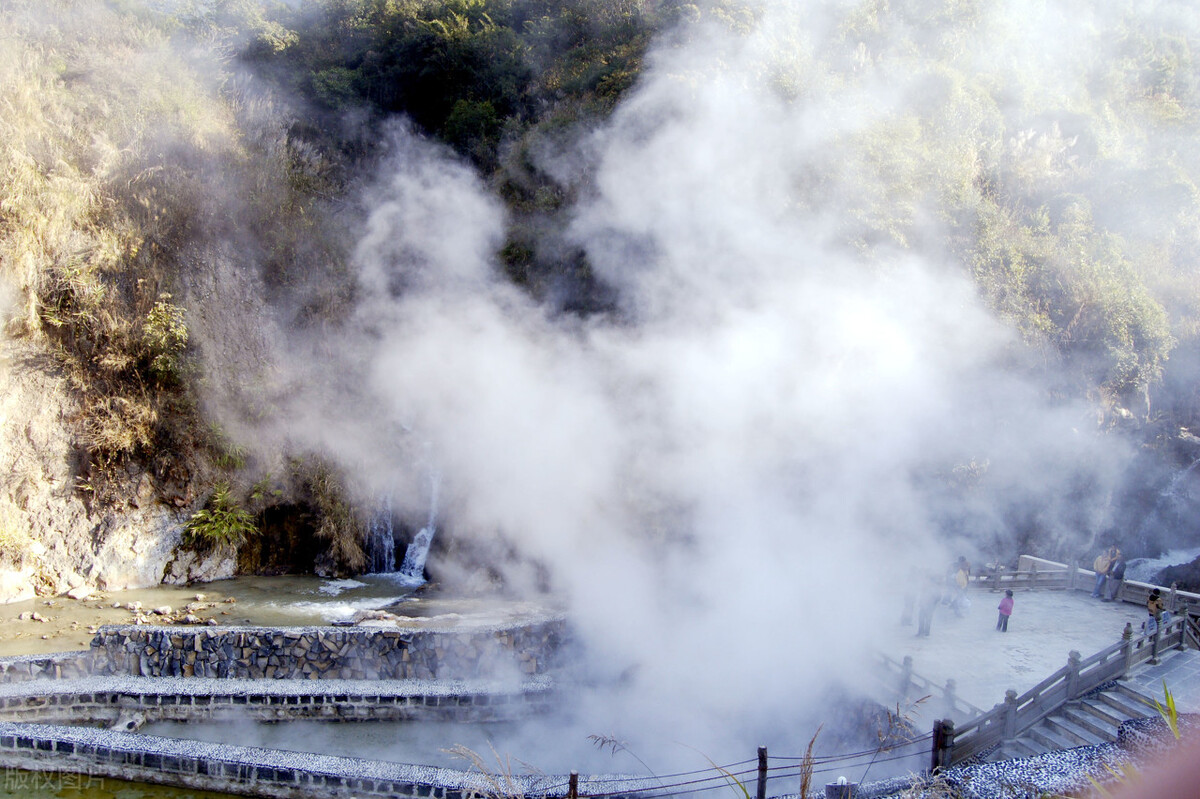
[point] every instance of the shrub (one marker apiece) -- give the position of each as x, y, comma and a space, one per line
222, 522
164, 336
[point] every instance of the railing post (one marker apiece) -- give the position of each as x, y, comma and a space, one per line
905, 676
1073, 658
1071, 571
762, 772
935, 751
573, 786
948, 696
1127, 647
841, 789
1032, 574
1154, 642
946, 758
1010, 714
1173, 598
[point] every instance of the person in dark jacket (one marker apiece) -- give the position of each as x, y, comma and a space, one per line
1116, 576
1155, 607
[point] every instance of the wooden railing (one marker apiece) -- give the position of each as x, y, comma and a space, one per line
1016, 714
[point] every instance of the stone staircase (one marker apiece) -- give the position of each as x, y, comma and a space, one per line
1091, 720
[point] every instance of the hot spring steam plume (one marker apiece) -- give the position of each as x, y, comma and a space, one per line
800, 393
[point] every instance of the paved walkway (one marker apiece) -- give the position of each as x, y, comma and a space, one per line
1180, 671
1046, 625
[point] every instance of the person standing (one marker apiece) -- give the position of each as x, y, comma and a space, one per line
1006, 609
1100, 567
925, 606
959, 582
1115, 576
1155, 607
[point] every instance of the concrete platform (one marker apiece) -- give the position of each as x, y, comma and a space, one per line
1046, 625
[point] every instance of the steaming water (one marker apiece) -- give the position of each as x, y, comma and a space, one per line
1144, 569
381, 543
417, 552
426, 743
285, 600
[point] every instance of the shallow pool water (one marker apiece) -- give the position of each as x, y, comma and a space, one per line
292, 600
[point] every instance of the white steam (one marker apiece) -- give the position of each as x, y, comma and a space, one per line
729, 482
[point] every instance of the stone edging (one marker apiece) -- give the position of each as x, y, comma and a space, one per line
264, 772
113, 700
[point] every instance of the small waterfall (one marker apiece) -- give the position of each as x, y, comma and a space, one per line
381, 540
418, 550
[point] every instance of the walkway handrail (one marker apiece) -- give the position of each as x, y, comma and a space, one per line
952, 705
1016, 714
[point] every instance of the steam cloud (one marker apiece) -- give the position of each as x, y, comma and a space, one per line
728, 480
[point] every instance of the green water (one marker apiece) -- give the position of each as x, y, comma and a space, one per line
17, 784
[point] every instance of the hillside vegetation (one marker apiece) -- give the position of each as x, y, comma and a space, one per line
171, 170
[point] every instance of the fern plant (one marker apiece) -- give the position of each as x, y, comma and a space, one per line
222, 522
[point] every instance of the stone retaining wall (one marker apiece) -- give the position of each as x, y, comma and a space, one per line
99, 701
262, 772
60, 666
325, 652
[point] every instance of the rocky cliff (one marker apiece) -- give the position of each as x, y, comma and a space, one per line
53, 539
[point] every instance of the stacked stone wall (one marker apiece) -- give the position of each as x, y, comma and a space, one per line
60, 666
325, 652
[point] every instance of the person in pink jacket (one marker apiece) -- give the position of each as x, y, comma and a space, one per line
1005, 607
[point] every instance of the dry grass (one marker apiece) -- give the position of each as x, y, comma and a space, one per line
15, 542
338, 524
122, 155
501, 782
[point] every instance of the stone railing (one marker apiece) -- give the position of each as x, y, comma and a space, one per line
1041, 573
900, 680
1016, 714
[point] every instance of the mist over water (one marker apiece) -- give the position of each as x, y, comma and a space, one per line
729, 477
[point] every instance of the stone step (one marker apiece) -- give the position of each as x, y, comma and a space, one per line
1102, 711
1015, 748
1077, 734
1030, 744
1139, 697
1101, 728
1049, 737
1122, 703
